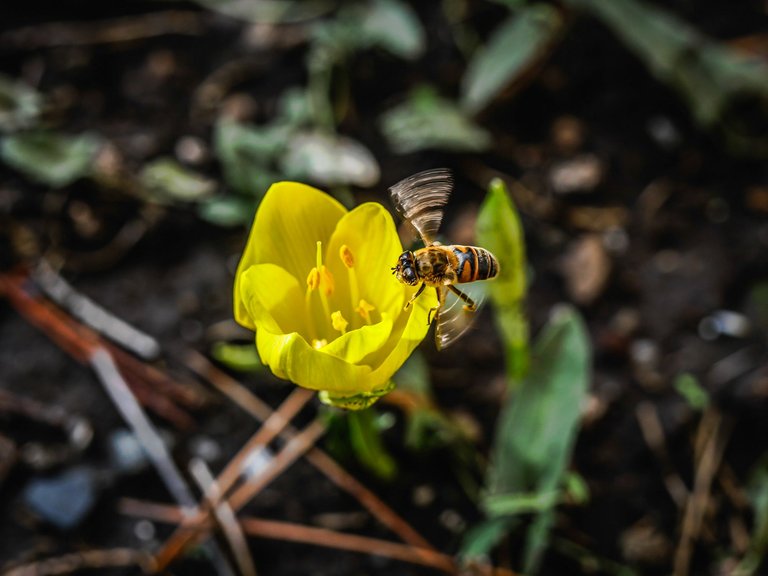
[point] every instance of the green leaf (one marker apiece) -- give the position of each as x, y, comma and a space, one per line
520, 503
365, 438
330, 160
240, 357
166, 180
689, 388
425, 121
498, 229
481, 538
708, 74
49, 157
576, 488
394, 26
514, 48
246, 153
228, 211
538, 425
19, 105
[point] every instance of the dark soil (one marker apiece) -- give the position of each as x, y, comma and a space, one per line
683, 238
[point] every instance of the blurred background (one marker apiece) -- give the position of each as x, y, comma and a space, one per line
136, 141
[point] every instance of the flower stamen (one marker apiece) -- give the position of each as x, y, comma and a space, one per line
364, 309
339, 322
346, 256
349, 261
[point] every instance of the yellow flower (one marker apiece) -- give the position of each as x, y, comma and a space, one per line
314, 282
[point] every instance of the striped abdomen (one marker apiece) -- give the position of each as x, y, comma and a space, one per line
474, 263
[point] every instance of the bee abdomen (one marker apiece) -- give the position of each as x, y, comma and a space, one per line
475, 264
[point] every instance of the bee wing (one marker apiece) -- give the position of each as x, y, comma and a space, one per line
420, 199
453, 317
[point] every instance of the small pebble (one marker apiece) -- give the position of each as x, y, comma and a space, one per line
452, 521
125, 452
205, 448
144, 530
256, 461
423, 495
580, 174
62, 500
191, 150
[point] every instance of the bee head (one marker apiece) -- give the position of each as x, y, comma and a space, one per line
405, 271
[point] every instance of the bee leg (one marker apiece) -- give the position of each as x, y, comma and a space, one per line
436, 308
469, 304
416, 295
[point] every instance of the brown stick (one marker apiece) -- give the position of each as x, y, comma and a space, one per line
80, 343
89, 560
653, 434
710, 445
291, 532
225, 517
316, 456
124, 29
194, 533
272, 427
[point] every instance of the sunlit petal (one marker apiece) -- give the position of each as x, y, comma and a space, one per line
290, 221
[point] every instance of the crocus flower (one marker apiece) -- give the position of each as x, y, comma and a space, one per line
315, 283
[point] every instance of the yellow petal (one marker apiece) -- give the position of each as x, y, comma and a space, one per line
356, 345
407, 334
291, 219
289, 356
369, 233
272, 298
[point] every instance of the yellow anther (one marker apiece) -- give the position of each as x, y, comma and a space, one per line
317, 344
326, 281
339, 322
365, 309
346, 256
313, 279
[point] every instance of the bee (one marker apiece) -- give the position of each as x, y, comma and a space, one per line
420, 200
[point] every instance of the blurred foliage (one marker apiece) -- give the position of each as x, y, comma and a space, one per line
427, 121
167, 181
20, 105
357, 435
500, 231
50, 158
429, 428
534, 439
711, 76
511, 51
689, 388
240, 357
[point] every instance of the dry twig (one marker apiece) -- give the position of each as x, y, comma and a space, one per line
227, 479
653, 433
90, 560
709, 446
289, 531
316, 456
225, 517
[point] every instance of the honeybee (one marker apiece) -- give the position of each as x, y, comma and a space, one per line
420, 200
